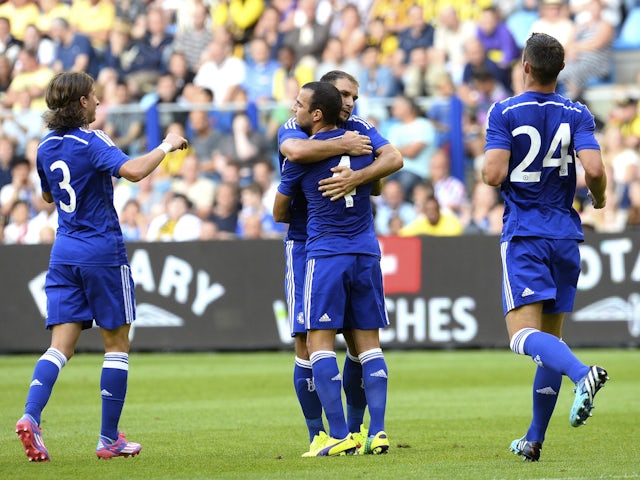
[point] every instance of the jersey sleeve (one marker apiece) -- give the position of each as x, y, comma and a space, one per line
498, 135
292, 174
44, 184
584, 136
366, 128
288, 130
105, 155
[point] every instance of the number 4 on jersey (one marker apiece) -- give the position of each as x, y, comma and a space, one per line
345, 161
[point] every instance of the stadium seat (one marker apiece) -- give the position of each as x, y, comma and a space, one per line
629, 36
627, 65
519, 24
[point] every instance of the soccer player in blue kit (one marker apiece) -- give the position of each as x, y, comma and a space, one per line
295, 145
89, 278
343, 279
532, 142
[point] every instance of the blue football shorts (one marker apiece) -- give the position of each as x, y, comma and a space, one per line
295, 259
344, 291
86, 293
540, 270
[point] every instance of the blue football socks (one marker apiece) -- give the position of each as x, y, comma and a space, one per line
375, 377
549, 351
44, 377
328, 381
354, 392
113, 389
308, 397
546, 388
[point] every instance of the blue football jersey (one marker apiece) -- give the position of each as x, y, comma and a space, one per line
365, 128
290, 129
543, 132
340, 227
298, 208
77, 167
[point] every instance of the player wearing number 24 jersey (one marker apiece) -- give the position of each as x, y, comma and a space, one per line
543, 131
533, 142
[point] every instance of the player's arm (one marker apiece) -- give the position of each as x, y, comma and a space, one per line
388, 160
376, 188
495, 166
47, 197
135, 169
309, 150
281, 211
595, 176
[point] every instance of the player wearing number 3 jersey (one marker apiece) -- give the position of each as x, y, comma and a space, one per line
89, 279
532, 142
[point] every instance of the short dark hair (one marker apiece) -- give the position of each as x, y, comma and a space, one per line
545, 54
482, 74
335, 75
16, 161
183, 198
61, 22
325, 98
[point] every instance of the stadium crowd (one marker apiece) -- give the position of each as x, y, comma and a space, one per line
224, 74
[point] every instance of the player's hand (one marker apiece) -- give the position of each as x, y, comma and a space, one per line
343, 181
356, 144
597, 205
177, 142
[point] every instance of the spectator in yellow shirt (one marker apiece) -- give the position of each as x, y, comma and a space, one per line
95, 19
433, 221
625, 115
50, 10
289, 68
238, 16
32, 77
20, 13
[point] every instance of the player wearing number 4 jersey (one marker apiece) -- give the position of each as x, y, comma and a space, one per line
296, 146
343, 280
532, 141
89, 278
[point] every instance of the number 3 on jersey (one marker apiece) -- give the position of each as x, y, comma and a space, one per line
65, 185
345, 161
561, 138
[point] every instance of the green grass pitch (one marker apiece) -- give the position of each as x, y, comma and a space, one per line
450, 415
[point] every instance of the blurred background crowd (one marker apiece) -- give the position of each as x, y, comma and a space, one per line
225, 73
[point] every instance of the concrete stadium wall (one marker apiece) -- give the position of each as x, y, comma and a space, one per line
229, 295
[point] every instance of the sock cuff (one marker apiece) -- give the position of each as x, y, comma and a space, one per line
517, 340
302, 363
55, 356
352, 357
116, 360
321, 354
371, 354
